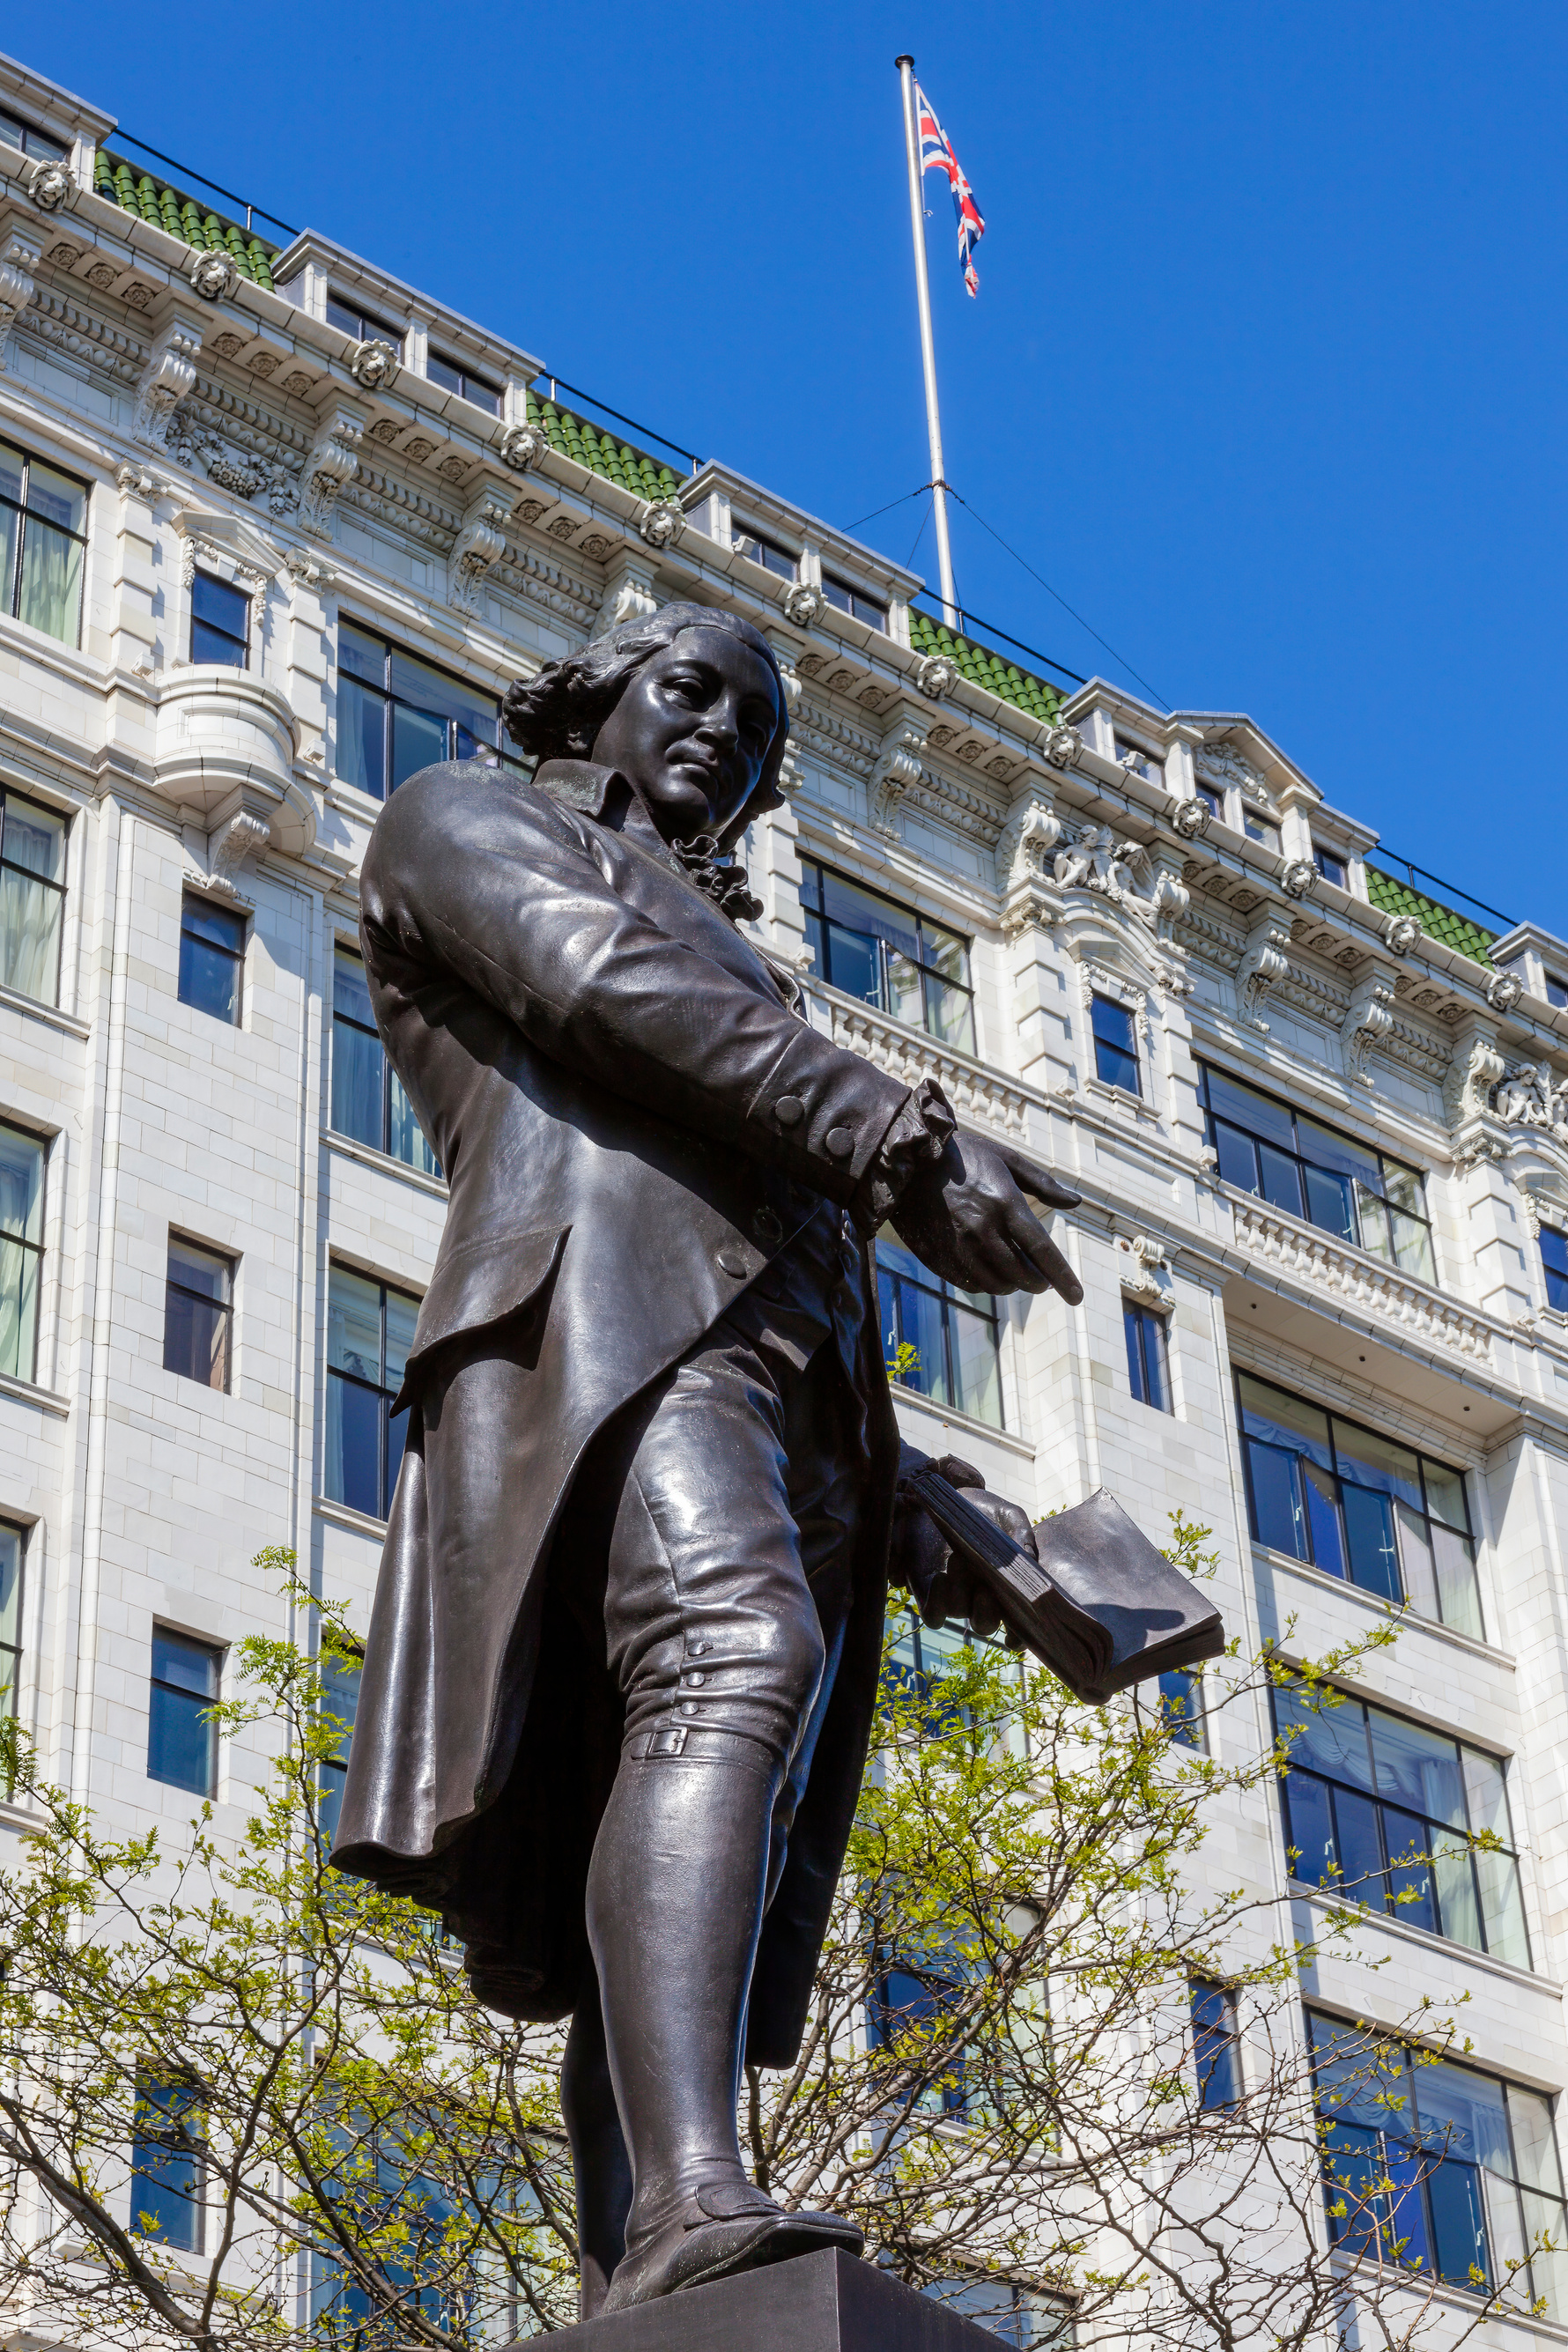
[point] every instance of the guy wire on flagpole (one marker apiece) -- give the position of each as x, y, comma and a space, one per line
906, 67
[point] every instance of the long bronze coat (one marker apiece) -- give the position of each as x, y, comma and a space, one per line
632, 1121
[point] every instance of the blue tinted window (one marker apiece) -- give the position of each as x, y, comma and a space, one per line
1215, 2056
1147, 1368
1115, 1044
166, 2175
182, 1740
212, 959
1554, 1259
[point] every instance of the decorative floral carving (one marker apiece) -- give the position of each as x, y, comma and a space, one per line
306, 569
49, 186
18, 260
1400, 934
170, 372
101, 276
661, 522
522, 445
137, 296
1504, 990
562, 527
936, 677
1028, 840
452, 469
1263, 964
264, 364
999, 767
477, 544
898, 767
1368, 1016
1474, 1071
213, 276
133, 481
244, 835
596, 547
801, 603
385, 430
333, 460
531, 510
298, 385
1190, 818
1300, 879
228, 346
63, 255
374, 364
418, 449
1228, 766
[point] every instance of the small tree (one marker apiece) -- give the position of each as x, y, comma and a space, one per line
1001, 2072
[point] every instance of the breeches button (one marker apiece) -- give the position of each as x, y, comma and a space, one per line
840, 1143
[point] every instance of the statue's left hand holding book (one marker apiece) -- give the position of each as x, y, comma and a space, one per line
1095, 1601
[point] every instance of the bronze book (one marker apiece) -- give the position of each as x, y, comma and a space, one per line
1101, 1606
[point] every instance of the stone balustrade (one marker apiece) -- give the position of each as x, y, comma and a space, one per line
1377, 1290
979, 1097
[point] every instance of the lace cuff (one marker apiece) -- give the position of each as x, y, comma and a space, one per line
918, 1135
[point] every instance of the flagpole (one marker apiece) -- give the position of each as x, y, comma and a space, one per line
906, 67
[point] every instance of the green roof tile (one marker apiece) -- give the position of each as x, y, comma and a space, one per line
1439, 922
586, 445
981, 667
166, 206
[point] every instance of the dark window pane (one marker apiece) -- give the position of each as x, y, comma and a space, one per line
1409, 1874
1359, 1848
358, 1085
1330, 1737
196, 1316
166, 2165
405, 1135
1281, 1178
361, 738
201, 1270
1321, 1490
1417, 1766
442, 371
1246, 1108
1115, 1044
1214, 2046
1276, 1499
1181, 1692
180, 1744
226, 608
418, 740
1459, 2223
1310, 1828
209, 979
1238, 1157
353, 1445
360, 655
434, 695
854, 964
1378, 1462
1369, 1533
210, 644
1555, 1262
1329, 1203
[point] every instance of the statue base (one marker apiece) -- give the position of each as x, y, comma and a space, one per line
826, 2302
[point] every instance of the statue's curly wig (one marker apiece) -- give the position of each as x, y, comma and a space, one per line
557, 715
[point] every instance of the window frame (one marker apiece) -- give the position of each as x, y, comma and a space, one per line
757, 548
1256, 826
24, 1243
1216, 2040
236, 956
468, 383
223, 1308
22, 1536
43, 881
389, 1080
950, 1303
215, 1653
1304, 1516
846, 596
1182, 1711
1212, 797
192, 2200
1393, 1848
1323, 856
11, 594
1304, 1160
1145, 763
490, 754
1144, 1378
1129, 1051
382, 1388
332, 1771
1556, 989
199, 621
1554, 1277
365, 326
815, 874
49, 149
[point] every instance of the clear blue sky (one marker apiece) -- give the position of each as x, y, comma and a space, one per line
1264, 377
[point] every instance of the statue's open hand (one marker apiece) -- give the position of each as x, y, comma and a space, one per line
965, 1216
941, 1584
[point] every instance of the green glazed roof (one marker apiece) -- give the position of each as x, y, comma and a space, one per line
167, 208
981, 667
1439, 922
573, 436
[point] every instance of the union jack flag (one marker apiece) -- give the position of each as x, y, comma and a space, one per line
937, 155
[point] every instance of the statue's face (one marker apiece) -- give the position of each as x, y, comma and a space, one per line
692, 729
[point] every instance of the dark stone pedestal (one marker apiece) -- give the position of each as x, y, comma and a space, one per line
818, 2303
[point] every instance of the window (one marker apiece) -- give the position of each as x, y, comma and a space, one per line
198, 1309
1386, 1811
1215, 2057
212, 958
1146, 1364
910, 2004
1115, 1044
182, 1737
1330, 866
43, 544
344, 313
17, 133
872, 947
937, 1340
1555, 1262
340, 1697
1259, 828
1020, 2315
32, 897
220, 623
396, 715
13, 1546
1212, 798
21, 1249
1181, 1706
1557, 989
764, 551
1364, 1198
368, 1100
370, 1330
1140, 762
921, 1656
166, 2168
846, 598
1436, 2165
1359, 1505
452, 376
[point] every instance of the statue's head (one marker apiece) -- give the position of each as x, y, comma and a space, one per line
689, 706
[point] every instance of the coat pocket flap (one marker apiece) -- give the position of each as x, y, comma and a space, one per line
480, 1283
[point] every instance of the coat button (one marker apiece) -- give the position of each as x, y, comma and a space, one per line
840, 1143
767, 1227
789, 1110
733, 1261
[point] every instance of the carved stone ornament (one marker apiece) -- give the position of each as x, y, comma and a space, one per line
898, 767
133, 481
213, 276
49, 186
481, 540
374, 364
18, 260
170, 372
801, 602
936, 677
1063, 747
306, 569
1263, 964
1532, 1095
1190, 818
243, 836
1228, 766
522, 445
1300, 879
1027, 842
333, 459
1145, 1270
1097, 861
1400, 934
1368, 1017
1475, 1070
661, 522
1504, 990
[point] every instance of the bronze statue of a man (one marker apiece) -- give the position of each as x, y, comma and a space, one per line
624, 1647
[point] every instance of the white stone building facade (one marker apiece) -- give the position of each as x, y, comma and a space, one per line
273, 544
